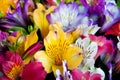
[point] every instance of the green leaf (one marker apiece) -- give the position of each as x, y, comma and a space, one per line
18, 29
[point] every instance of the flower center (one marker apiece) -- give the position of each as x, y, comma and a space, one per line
15, 71
58, 60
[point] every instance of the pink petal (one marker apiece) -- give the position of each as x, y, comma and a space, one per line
4, 78
33, 49
95, 77
86, 75
7, 67
16, 59
106, 48
34, 71
76, 74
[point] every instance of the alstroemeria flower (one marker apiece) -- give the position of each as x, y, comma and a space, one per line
94, 8
27, 45
79, 75
104, 45
111, 15
69, 16
58, 47
89, 50
12, 65
66, 74
18, 18
88, 29
33, 71
39, 17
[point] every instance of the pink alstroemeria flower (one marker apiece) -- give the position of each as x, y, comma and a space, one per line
79, 75
104, 45
12, 65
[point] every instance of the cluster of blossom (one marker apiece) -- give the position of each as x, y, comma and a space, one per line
59, 39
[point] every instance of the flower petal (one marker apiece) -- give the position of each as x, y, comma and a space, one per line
73, 55
34, 71
46, 61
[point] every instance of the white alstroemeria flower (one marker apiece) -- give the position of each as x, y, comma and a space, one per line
89, 51
92, 29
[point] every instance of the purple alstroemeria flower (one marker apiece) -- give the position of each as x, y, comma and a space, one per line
95, 10
18, 18
69, 16
111, 14
94, 6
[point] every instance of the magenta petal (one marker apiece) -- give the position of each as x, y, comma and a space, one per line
16, 59
33, 49
34, 71
95, 77
106, 48
86, 75
76, 74
4, 78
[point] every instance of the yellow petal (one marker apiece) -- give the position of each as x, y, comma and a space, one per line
50, 9
40, 20
46, 61
20, 49
75, 34
14, 39
28, 59
73, 57
31, 39
4, 6
40, 6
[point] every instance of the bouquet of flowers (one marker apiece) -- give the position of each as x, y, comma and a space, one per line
59, 39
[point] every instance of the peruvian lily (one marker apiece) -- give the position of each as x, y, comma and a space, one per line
12, 65
66, 74
18, 18
89, 50
58, 47
104, 45
94, 6
33, 71
111, 15
68, 14
79, 75
26, 46
39, 17
95, 9
88, 29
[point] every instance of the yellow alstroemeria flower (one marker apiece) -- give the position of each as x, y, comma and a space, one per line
25, 43
39, 17
58, 47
